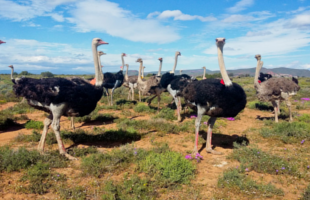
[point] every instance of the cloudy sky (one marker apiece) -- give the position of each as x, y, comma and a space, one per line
55, 35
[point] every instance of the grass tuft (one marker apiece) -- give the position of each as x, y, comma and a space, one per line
31, 124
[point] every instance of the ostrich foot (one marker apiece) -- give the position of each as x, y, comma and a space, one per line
70, 157
214, 152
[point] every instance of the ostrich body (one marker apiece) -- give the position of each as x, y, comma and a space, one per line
145, 85
204, 73
170, 82
113, 81
61, 97
213, 97
131, 83
274, 89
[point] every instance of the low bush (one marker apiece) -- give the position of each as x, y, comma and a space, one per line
31, 124
239, 182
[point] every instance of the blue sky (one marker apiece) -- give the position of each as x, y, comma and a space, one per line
55, 35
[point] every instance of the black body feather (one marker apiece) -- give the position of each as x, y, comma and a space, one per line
227, 101
81, 96
263, 77
110, 79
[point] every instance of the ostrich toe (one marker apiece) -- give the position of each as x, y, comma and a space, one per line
214, 152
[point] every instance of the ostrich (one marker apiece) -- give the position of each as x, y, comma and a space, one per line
157, 90
204, 73
131, 83
1, 42
61, 97
274, 89
113, 81
213, 97
142, 73
145, 85
170, 82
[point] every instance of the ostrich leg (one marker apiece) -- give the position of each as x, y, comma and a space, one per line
286, 97
158, 102
275, 107
278, 106
47, 123
209, 149
57, 111
72, 123
139, 95
200, 112
179, 107
107, 92
132, 93
115, 86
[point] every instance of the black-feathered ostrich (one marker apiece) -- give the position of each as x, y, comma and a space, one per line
113, 81
216, 98
170, 82
61, 97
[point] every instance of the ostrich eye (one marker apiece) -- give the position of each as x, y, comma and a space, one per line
224, 40
216, 40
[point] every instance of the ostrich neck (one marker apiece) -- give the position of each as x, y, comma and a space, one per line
126, 75
159, 70
139, 75
99, 78
122, 63
258, 68
224, 74
175, 63
204, 73
100, 66
12, 72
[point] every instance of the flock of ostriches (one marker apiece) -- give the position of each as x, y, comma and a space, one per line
76, 97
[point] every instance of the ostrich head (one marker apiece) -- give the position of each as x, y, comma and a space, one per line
160, 59
98, 42
203, 67
220, 42
1, 42
139, 60
258, 57
123, 54
100, 53
11, 66
177, 53
127, 65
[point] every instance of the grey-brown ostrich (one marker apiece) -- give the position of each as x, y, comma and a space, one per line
213, 97
61, 97
145, 85
204, 73
274, 89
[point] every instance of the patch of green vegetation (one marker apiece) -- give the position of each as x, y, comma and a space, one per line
262, 162
166, 113
31, 124
287, 132
133, 187
239, 182
259, 105
303, 118
79, 152
306, 195
142, 108
15, 160
40, 178
100, 135
170, 167
34, 137
78, 192
118, 159
159, 125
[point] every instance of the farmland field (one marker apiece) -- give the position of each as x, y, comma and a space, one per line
131, 151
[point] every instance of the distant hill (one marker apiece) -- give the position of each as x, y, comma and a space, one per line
198, 72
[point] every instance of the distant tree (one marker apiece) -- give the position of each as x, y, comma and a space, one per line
231, 74
15, 73
47, 74
25, 73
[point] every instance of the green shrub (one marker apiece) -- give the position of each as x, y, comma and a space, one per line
306, 195
170, 167
287, 132
262, 162
166, 113
143, 108
259, 105
31, 124
241, 183
130, 188
77, 192
79, 152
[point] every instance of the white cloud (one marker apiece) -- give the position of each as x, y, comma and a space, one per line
300, 21
56, 17
178, 15
107, 17
241, 5
28, 9
252, 16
